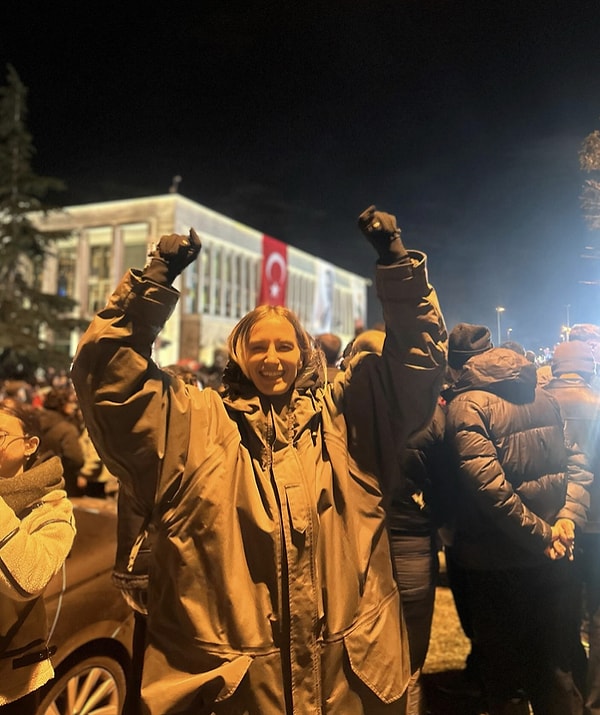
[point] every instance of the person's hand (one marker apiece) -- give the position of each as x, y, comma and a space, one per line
565, 528
172, 255
563, 540
555, 550
178, 251
383, 234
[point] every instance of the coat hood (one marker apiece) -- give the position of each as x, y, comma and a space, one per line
499, 370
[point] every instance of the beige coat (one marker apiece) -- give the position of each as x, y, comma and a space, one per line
32, 550
271, 589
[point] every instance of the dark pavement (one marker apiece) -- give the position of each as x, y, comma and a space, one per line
443, 671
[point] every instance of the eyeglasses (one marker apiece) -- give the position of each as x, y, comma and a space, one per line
6, 438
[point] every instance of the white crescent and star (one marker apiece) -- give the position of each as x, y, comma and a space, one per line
274, 284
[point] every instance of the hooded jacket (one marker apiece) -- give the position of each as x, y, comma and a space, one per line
580, 408
515, 475
271, 587
34, 543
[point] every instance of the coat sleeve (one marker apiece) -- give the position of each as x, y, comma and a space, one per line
580, 478
128, 403
390, 396
33, 549
481, 476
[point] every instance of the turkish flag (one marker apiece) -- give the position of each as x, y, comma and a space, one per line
273, 282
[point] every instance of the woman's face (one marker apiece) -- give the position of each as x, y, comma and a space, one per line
15, 447
273, 355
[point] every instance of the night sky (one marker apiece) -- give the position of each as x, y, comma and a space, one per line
462, 118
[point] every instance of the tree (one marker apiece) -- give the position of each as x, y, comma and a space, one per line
589, 161
29, 318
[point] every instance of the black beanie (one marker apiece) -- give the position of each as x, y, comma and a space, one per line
573, 356
466, 340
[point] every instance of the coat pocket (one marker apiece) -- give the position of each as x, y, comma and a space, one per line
168, 690
377, 649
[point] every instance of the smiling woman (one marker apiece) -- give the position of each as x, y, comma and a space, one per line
271, 347
276, 591
273, 356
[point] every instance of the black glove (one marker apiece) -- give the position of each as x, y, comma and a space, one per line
171, 256
383, 234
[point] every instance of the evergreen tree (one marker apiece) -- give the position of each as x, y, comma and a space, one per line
29, 318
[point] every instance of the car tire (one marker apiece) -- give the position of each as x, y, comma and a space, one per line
96, 684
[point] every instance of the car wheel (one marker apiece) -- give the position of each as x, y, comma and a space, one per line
94, 686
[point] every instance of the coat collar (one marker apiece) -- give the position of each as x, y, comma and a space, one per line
287, 418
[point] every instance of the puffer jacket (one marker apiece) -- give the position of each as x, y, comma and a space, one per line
271, 587
33, 546
515, 475
580, 408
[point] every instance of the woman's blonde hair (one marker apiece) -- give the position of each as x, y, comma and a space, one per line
311, 358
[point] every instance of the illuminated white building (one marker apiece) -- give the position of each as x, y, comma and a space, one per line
108, 238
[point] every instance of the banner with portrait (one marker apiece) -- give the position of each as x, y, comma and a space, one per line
323, 298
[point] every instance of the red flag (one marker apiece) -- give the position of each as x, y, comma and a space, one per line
273, 282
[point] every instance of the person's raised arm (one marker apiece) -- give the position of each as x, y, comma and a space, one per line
392, 395
384, 235
124, 396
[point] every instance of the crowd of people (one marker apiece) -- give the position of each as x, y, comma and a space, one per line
295, 498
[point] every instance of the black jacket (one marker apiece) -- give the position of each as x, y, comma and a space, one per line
515, 475
417, 502
580, 407
61, 438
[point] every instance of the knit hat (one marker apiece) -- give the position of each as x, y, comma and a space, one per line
466, 340
573, 356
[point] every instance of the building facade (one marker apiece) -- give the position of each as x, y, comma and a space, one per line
216, 291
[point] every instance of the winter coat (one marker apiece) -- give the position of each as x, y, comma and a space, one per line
271, 587
61, 437
580, 408
33, 546
417, 502
515, 474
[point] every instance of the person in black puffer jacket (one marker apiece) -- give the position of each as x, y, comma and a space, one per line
521, 490
573, 370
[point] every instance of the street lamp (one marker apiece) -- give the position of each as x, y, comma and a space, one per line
499, 310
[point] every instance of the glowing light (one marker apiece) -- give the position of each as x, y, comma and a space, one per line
499, 309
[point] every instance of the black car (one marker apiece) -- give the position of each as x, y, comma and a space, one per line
90, 623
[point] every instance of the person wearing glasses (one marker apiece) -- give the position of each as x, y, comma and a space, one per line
36, 534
